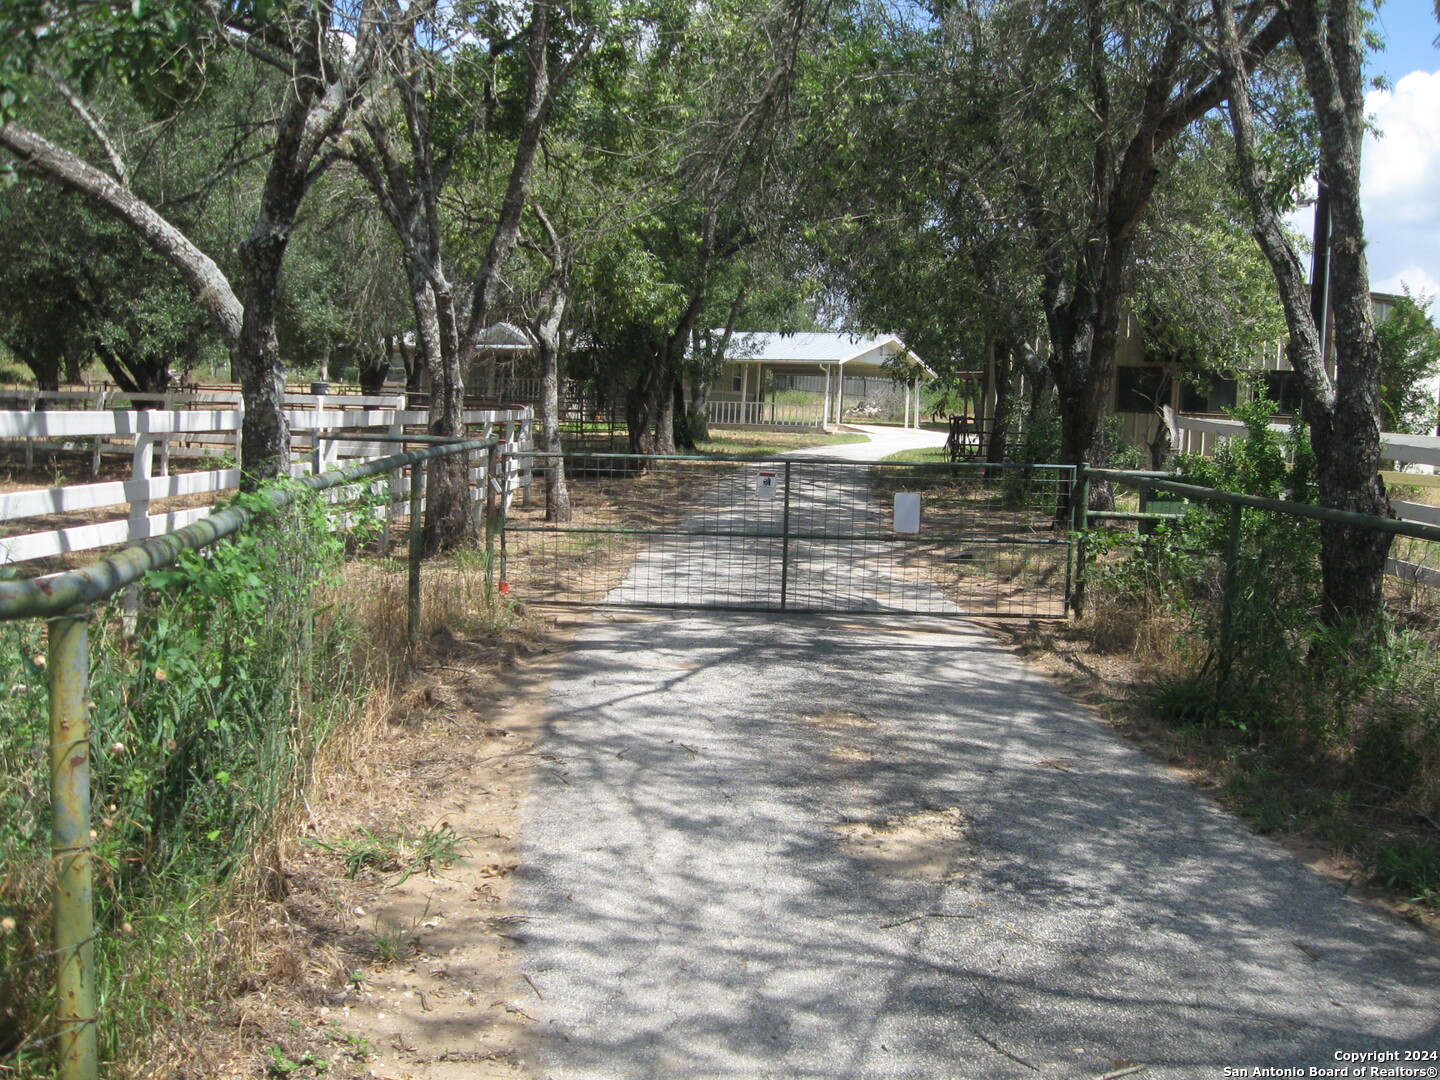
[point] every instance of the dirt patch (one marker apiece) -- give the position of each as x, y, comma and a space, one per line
614, 514
848, 755
407, 969
928, 845
839, 719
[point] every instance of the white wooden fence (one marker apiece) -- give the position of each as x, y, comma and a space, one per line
1201, 434
200, 432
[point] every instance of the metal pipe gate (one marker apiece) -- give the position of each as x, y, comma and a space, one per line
795, 535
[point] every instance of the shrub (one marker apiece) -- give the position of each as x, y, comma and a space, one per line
205, 725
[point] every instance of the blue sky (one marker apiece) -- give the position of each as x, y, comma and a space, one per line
1401, 168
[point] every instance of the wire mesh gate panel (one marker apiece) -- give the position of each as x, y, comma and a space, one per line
799, 535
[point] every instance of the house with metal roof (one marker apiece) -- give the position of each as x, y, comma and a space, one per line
839, 371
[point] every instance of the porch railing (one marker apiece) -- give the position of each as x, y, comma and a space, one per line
764, 414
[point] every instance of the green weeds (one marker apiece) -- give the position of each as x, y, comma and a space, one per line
1304, 727
205, 727
398, 851
1411, 867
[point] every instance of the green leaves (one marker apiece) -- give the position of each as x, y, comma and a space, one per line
1409, 362
157, 49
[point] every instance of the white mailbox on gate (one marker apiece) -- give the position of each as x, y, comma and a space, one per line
907, 512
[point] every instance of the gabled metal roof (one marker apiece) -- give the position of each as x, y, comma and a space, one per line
769, 347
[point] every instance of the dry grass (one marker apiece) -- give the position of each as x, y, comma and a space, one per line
582, 566
267, 971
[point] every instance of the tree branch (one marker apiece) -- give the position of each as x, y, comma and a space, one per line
117, 163
212, 289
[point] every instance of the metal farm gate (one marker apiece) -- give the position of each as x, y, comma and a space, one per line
800, 535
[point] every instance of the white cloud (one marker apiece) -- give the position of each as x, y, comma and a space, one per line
1401, 184
1416, 278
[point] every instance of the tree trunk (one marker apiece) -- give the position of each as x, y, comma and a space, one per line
1162, 443
1006, 364
1342, 414
414, 364
699, 425
486, 287
44, 365
683, 439
664, 408
448, 522
557, 490
265, 431
546, 329
639, 413
375, 368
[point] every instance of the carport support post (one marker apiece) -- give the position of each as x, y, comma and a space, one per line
417, 486
68, 674
785, 543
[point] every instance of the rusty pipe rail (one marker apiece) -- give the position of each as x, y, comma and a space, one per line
61, 600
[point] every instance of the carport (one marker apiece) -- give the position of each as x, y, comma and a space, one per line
815, 361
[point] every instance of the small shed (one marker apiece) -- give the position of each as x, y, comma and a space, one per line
836, 367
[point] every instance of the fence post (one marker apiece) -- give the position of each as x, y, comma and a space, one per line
168, 405
30, 439
475, 486
493, 462
785, 543
1227, 596
525, 444
417, 486
99, 439
1080, 522
142, 464
238, 443
68, 674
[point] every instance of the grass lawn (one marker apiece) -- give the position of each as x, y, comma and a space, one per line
760, 444
920, 453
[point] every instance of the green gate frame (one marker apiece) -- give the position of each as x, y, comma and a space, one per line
1060, 475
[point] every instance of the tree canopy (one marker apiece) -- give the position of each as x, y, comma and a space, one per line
1004, 184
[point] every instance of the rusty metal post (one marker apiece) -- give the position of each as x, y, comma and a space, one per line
68, 668
417, 487
1227, 594
1080, 523
492, 514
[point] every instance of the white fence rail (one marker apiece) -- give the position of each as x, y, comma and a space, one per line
1200, 435
763, 413
196, 432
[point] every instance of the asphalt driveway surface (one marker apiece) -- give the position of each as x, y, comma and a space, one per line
822, 846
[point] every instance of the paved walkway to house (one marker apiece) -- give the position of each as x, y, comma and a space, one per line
826, 847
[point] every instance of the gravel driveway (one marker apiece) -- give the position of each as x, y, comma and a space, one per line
825, 846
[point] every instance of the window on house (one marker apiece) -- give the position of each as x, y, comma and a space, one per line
1282, 387
1214, 394
1138, 389
737, 381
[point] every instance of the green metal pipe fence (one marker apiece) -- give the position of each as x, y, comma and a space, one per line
1082, 517
61, 600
